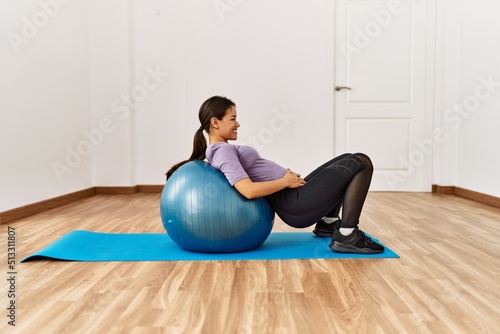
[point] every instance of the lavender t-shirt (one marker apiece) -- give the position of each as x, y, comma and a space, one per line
238, 162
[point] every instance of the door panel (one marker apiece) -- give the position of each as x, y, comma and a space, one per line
381, 57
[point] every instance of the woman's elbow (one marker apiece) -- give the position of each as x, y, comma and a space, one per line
248, 194
246, 189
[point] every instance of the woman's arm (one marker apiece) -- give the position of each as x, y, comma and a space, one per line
250, 189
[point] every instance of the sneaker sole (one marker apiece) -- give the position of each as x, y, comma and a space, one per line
341, 248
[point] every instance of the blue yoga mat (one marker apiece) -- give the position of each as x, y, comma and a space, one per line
94, 247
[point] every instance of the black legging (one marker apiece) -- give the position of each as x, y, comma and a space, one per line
341, 182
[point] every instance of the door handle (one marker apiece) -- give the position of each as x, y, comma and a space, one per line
337, 88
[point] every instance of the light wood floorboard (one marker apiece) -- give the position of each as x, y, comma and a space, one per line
446, 281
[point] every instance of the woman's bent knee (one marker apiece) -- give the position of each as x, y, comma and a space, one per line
365, 160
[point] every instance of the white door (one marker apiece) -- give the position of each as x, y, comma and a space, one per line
384, 88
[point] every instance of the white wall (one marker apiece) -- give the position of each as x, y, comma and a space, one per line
446, 94
478, 164
467, 109
44, 100
272, 58
68, 88
110, 86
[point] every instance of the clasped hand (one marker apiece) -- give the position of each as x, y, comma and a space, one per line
293, 180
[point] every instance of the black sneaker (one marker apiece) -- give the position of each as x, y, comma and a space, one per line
356, 242
324, 230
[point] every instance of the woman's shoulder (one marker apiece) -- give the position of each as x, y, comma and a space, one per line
222, 146
220, 149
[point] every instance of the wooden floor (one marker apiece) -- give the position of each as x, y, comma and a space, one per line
446, 281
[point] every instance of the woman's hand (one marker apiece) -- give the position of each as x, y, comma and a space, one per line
293, 180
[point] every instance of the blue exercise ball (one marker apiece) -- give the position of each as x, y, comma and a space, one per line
202, 212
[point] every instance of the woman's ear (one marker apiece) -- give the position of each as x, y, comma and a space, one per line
214, 122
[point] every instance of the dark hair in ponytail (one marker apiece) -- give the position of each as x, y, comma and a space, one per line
216, 106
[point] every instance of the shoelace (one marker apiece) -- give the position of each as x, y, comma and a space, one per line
364, 237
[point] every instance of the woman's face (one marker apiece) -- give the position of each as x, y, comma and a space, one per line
228, 126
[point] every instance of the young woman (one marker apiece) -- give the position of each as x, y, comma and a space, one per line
342, 182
